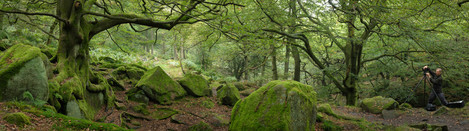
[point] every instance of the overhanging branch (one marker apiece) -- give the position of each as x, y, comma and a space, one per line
388, 55
34, 13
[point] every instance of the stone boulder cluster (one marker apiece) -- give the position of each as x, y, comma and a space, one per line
287, 105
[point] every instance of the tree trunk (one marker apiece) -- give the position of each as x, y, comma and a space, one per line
287, 60
1, 20
274, 63
72, 55
246, 68
296, 58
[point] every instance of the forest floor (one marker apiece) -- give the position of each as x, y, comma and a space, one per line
455, 119
190, 111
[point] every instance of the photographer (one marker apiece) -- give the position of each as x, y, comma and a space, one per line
436, 80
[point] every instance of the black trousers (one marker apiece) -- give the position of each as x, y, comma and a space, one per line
440, 95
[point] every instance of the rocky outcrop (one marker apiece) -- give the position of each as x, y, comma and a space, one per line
279, 105
23, 68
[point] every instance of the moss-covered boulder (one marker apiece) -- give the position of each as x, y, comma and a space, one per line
129, 73
17, 118
278, 105
159, 87
378, 103
228, 94
23, 68
195, 85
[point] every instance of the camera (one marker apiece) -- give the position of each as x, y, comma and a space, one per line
425, 70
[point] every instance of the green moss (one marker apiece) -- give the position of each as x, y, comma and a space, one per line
208, 104
163, 113
330, 126
68, 123
405, 106
202, 126
326, 108
228, 95
141, 108
129, 71
159, 87
13, 59
239, 85
195, 85
378, 103
71, 88
278, 105
17, 118
54, 95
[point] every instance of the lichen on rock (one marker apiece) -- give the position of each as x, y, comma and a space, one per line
278, 105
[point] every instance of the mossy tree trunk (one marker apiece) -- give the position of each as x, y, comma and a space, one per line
76, 31
353, 51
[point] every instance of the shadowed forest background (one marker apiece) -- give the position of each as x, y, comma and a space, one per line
170, 64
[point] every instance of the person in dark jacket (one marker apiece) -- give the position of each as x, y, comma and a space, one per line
437, 81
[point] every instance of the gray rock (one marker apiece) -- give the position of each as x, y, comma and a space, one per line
73, 110
22, 69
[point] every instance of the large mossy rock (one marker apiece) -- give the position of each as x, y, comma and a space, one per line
23, 68
378, 103
195, 85
278, 105
159, 87
228, 94
131, 72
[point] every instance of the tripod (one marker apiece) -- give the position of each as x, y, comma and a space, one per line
424, 79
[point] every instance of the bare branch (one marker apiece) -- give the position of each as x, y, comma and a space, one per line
113, 20
388, 55
34, 13
462, 2
116, 42
44, 31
